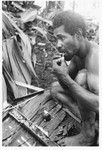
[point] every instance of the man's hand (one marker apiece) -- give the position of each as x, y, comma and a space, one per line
60, 67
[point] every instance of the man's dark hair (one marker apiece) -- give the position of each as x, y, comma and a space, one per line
72, 22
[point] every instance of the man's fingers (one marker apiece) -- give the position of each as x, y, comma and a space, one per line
58, 61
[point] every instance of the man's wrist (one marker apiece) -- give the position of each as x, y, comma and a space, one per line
64, 79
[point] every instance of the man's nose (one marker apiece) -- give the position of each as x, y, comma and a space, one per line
59, 44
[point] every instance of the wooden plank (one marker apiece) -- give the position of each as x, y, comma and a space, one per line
53, 124
24, 138
4, 115
33, 112
34, 130
74, 116
30, 108
38, 118
48, 106
13, 130
53, 111
9, 127
63, 128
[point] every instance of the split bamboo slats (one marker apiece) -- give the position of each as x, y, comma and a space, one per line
58, 127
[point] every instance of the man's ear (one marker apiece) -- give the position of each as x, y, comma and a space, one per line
78, 34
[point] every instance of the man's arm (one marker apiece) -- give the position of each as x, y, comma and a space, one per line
89, 99
72, 70
73, 67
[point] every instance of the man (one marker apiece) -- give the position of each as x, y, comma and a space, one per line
79, 80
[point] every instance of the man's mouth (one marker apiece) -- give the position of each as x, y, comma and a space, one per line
68, 56
61, 50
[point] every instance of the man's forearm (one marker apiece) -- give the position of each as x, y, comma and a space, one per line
89, 99
72, 73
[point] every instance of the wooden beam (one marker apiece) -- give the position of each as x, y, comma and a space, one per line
28, 86
33, 129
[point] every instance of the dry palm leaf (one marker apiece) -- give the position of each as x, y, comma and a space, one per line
11, 82
5, 56
17, 62
26, 49
28, 15
25, 43
5, 103
4, 91
7, 26
5, 32
19, 71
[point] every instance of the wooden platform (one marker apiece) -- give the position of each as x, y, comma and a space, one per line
17, 132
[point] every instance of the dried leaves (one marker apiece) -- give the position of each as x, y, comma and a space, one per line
18, 59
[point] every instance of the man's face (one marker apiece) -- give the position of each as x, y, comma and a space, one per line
66, 43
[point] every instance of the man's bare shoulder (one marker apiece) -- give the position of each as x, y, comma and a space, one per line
94, 52
94, 46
